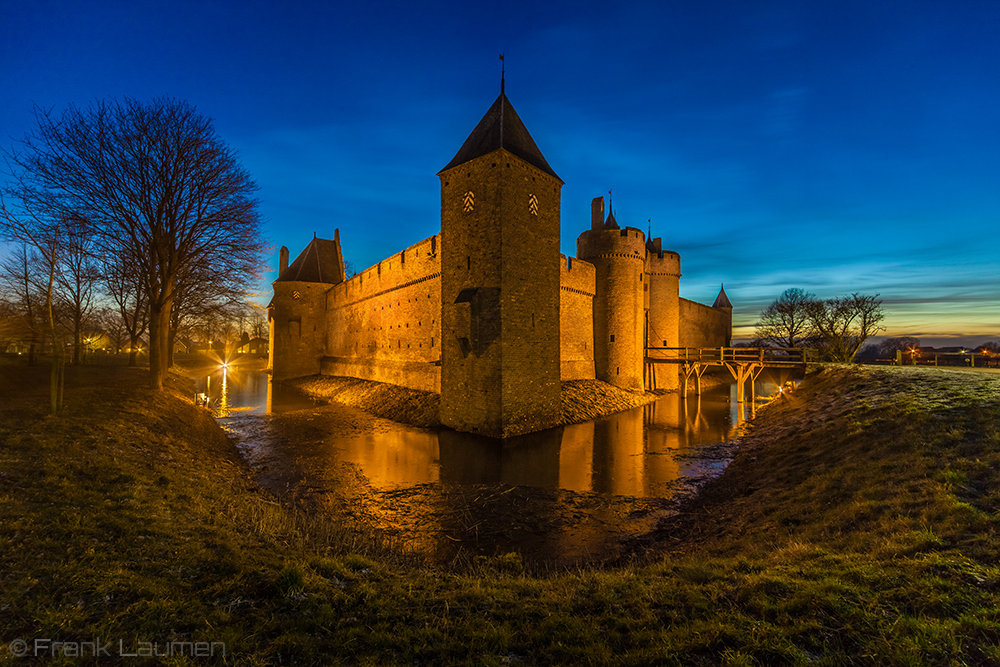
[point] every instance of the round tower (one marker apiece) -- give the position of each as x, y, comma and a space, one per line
663, 272
618, 256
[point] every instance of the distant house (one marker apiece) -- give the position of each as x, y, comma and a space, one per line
256, 345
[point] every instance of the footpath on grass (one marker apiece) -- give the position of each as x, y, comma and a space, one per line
858, 525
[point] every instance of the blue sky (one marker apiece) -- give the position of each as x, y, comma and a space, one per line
833, 146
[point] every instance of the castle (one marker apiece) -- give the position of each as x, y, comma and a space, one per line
488, 313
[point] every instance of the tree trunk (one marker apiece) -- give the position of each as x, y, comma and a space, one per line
158, 317
132, 352
170, 346
57, 375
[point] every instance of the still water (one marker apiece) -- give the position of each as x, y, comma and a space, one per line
569, 494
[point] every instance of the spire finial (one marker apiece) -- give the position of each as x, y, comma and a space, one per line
501, 73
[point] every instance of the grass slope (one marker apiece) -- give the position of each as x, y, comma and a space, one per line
857, 526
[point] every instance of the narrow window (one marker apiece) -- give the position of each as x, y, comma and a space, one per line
612, 338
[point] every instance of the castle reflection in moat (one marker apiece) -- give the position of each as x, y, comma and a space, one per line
636, 453
567, 494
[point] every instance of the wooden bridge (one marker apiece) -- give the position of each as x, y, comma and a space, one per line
744, 363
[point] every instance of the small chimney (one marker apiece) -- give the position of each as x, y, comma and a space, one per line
597, 213
282, 260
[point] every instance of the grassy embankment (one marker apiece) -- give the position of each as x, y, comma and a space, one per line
858, 526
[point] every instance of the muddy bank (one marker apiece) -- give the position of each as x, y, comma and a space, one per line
581, 400
389, 401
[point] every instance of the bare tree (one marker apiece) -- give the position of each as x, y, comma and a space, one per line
112, 325
888, 348
77, 280
845, 323
10, 324
257, 320
786, 323
45, 235
122, 280
154, 183
19, 276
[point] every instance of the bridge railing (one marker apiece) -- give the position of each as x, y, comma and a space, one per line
768, 356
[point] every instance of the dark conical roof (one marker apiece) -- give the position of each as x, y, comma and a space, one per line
501, 127
722, 301
611, 223
320, 262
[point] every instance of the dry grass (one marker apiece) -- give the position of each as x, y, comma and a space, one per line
858, 526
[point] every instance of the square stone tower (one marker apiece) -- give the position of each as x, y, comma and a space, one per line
500, 281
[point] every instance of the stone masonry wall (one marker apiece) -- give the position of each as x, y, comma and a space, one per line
663, 272
384, 324
529, 297
500, 296
703, 326
576, 318
296, 319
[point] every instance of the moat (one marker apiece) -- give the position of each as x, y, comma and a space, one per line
563, 496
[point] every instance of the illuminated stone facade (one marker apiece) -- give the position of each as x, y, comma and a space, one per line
488, 313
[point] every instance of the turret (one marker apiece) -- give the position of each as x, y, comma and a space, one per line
618, 256
723, 304
297, 312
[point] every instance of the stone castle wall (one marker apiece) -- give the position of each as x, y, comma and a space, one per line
663, 272
500, 296
704, 326
384, 324
576, 318
297, 329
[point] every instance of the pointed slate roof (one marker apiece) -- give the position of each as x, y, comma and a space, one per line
611, 223
320, 262
501, 127
722, 301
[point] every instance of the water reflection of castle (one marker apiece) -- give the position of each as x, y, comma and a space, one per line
631, 453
